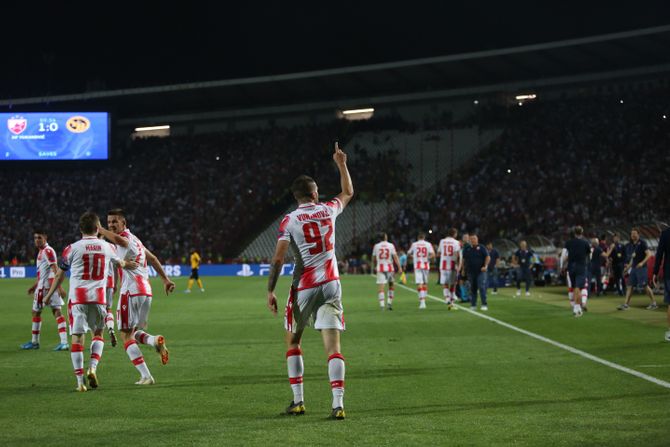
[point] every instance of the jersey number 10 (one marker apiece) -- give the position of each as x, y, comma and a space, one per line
312, 234
94, 270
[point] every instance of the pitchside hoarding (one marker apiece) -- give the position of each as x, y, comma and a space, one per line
176, 270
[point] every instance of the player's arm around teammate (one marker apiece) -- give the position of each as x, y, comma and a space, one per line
152, 260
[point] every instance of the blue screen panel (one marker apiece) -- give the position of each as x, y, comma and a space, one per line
54, 136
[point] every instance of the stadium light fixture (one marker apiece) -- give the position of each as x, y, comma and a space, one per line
525, 97
358, 111
150, 128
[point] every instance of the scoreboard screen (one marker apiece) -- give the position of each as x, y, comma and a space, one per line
54, 136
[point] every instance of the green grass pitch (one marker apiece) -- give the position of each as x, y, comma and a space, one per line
431, 377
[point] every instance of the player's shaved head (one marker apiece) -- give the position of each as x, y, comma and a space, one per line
88, 223
303, 188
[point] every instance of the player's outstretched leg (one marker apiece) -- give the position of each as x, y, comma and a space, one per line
135, 355
157, 341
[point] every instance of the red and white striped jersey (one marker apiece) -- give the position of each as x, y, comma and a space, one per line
448, 251
46, 257
420, 252
310, 229
88, 261
135, 282
384, 252
112, 267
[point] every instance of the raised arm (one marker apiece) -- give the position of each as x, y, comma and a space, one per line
340, 159
276, 265
113, 237
155, 263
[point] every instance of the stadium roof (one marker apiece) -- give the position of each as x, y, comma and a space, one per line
644, 51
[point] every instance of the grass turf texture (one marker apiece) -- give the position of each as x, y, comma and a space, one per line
430, 377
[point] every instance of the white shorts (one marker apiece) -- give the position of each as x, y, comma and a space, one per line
320, 307
38, 298
132, 312
109, 298
448, 277
86, 317
385, 277
421, 276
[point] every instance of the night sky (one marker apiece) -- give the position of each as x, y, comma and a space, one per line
64, 47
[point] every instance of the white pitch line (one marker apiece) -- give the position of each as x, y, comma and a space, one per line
565, 347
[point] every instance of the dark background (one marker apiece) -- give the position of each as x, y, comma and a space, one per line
64, 47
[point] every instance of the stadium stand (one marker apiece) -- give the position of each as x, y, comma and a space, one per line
219, 189
598, 161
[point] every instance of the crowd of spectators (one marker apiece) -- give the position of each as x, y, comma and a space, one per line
595, 161
210, 192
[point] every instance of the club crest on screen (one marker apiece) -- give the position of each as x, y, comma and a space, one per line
17, 124
78, 124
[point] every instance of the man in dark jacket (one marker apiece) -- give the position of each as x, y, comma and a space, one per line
476, 261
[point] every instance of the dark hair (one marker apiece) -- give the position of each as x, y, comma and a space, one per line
303, 187
88, 222
422, 235
40, 231
117, 212
578, 230
635, 229
382, 236
452, 232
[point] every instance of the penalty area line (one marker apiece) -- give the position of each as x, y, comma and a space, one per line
563, 346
